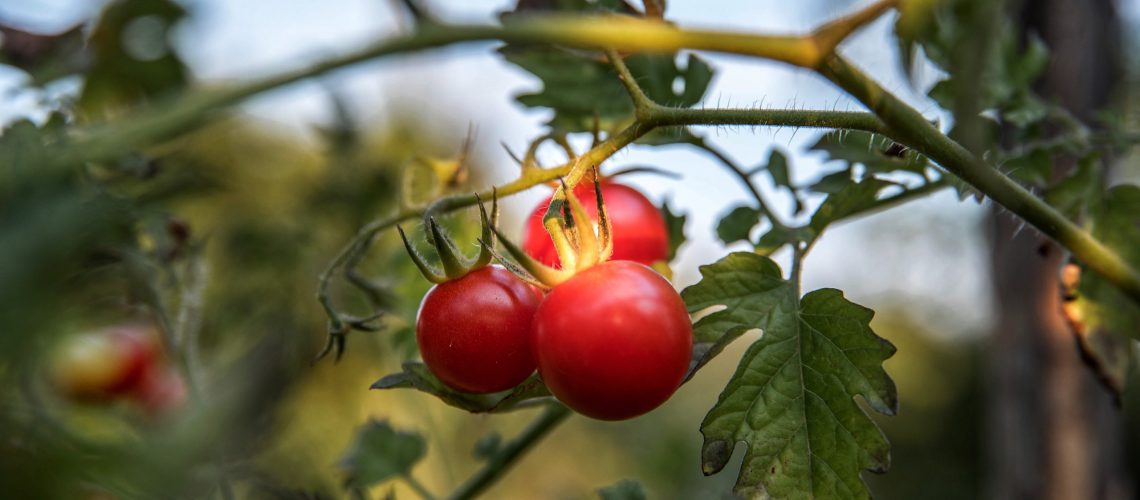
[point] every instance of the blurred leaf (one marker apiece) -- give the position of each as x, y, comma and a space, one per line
45, 57
133, 58
833, 182
1073, 193
876, 152
1105, 320
778, 169
1033, 168
792, 396
737, 224
418, 376
487, 446
675, 225
852, 199
581, 86
777, 237
625, 489
380, 452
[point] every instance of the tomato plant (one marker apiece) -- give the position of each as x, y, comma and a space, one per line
613, 342
639, 231
102, 187
474, 332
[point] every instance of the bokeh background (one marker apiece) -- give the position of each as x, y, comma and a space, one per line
283, 182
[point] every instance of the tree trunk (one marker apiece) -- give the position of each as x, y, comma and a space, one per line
1054, 431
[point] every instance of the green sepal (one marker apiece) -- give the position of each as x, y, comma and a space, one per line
426, 270
453, 265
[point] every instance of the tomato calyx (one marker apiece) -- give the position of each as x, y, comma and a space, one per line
455, 265
578, 242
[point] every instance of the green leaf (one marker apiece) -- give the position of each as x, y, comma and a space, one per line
791, 399
675, 225
417, 376
45, 57
850, 200
625, 489
876, 152
133, 58
778, 169
581, 86
1033, 168
1073, 193
380, 452
833, 182
737, 224
1103, 317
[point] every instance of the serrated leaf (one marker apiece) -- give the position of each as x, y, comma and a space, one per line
625, 489
791, 399
417, 376
1103, 318
380, 452
737, 224
675, 227
581, 86
778, 169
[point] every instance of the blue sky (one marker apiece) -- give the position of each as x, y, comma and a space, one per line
876, 259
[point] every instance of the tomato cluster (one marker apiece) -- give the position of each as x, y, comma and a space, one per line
611, 341
123, 362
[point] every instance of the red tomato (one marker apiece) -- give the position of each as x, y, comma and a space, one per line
639, 232
102, 365
474, 332
614, 341
161, 392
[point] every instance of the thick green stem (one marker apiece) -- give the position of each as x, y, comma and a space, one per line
912, 129
498, 464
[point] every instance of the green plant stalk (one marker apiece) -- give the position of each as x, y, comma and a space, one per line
912, 129
502, 460
165, 120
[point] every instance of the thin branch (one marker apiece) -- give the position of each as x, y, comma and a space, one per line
746, 181
642, 104
502, 460
418, 487
913, 130
828, 36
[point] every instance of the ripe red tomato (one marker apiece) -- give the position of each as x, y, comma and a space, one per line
639, 232
474, 332
614, 341
102, 365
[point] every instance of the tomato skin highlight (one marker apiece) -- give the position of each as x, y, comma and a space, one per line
474, 332
100, 366
614, 341
639, 232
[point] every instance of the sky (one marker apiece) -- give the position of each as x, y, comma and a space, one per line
930, 253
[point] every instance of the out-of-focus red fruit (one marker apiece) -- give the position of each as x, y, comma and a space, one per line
102, 365
160, 394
